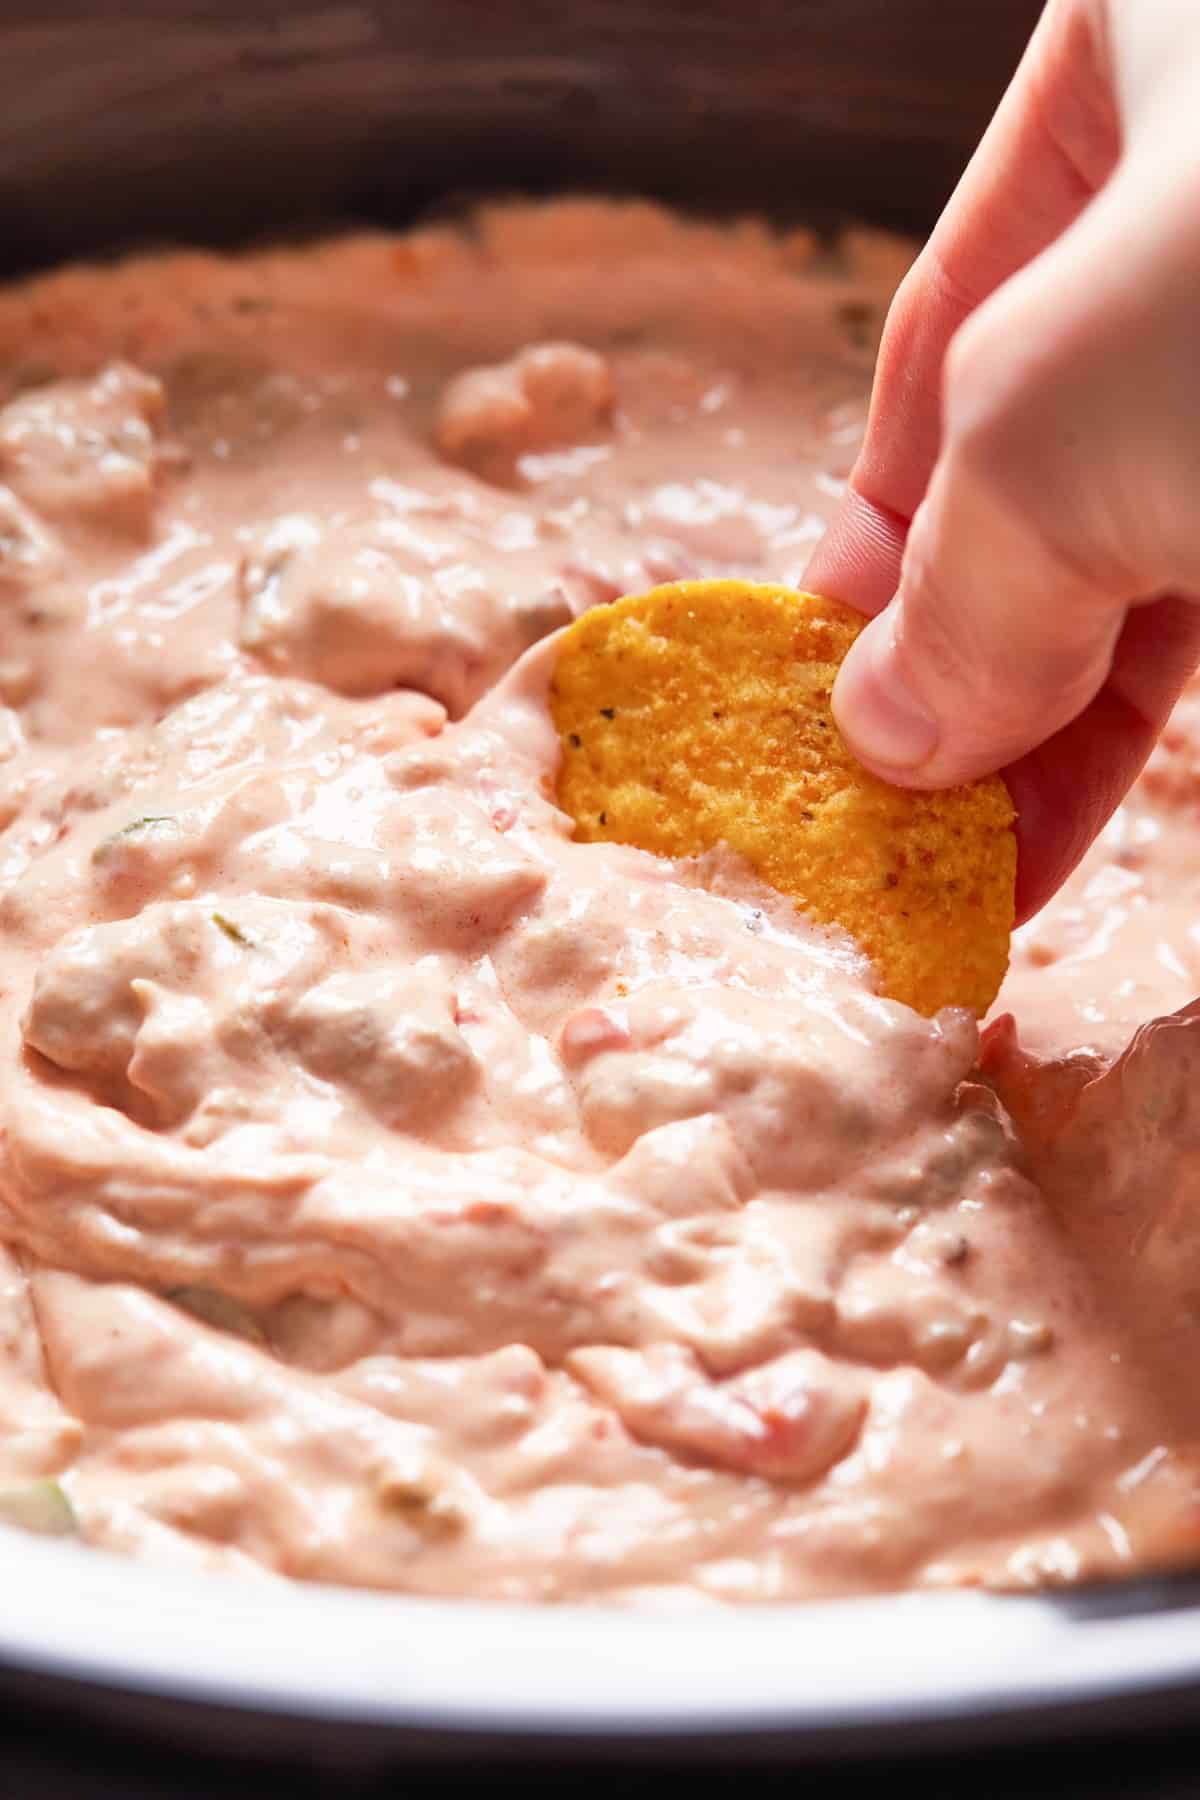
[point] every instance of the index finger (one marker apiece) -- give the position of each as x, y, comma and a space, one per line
1052, 144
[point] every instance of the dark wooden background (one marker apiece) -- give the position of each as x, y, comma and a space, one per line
133, 119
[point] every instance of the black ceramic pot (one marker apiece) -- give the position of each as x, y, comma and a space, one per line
162, 119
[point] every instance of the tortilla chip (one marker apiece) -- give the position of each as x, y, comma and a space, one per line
699, 714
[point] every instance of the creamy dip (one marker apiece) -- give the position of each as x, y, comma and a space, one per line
395, 1192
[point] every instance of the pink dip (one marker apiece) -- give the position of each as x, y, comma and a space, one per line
393, 1191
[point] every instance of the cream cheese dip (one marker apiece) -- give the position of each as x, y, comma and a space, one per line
395, 1192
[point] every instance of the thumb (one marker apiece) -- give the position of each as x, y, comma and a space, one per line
990, 646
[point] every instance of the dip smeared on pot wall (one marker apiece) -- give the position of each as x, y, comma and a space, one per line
396, 1191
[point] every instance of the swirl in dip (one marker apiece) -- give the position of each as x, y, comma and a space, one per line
396, 1192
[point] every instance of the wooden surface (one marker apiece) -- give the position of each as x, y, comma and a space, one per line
1154, 1769
163, 118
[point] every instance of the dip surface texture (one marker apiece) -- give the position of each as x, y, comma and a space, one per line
394, 1191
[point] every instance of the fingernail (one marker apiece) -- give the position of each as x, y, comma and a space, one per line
877, 713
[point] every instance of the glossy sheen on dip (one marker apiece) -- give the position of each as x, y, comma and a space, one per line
394, 1191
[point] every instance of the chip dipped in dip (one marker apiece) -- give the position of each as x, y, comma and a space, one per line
396, 1189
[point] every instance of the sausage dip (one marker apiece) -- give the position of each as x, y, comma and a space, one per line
394, 1192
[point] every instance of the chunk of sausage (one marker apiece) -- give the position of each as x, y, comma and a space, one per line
547, 397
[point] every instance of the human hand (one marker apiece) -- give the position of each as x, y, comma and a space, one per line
1025, 512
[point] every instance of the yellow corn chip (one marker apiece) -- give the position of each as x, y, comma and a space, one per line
698, 714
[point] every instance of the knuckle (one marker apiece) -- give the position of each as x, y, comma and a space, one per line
947, 650
932, 622
987, 412
1029, 468
970, 647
